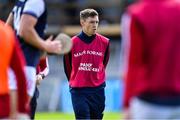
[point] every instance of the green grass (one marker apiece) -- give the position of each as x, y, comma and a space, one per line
66, 116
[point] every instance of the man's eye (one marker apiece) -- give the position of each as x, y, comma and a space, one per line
94, 22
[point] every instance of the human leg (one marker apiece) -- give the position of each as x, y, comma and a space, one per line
33, 103
80, 106
96, 101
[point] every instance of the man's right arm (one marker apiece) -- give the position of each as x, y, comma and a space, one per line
24, 20
28, 33
67, 65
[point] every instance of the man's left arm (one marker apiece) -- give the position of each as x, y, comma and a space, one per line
43, 70
67, 60
44, 67
106, 56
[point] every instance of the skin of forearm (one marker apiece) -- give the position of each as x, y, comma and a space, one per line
31, 37
9, 20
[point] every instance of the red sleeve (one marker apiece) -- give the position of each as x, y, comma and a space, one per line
42, 64
67, 65
134, 61
38, 69
17, 64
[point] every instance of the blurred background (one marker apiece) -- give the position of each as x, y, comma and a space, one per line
63, 16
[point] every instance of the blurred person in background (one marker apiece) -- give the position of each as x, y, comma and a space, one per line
12, 56
152, 45
42, 70
85, 68
28, 18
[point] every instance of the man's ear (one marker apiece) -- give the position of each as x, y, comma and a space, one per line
82, 22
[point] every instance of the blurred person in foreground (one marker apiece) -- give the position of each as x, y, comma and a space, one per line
28, 18
151, 39
85, 68
12, 57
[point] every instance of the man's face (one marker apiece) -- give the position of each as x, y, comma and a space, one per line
90, 25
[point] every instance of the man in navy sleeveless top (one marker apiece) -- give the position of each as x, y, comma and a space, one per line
28, 18
85, 68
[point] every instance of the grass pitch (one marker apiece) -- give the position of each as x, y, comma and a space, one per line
70, 116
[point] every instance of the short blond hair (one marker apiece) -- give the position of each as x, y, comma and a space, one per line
84, 14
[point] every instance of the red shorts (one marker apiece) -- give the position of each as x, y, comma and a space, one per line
4, 106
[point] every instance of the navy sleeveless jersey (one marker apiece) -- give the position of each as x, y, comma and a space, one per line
37, 9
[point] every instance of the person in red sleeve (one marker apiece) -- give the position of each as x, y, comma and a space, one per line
85, 68
11, 56
42, 70
151, 34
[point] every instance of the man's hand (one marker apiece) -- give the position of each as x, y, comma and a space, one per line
38, 79
53, 46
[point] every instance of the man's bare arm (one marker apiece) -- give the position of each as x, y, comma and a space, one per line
9, 20
29, 34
